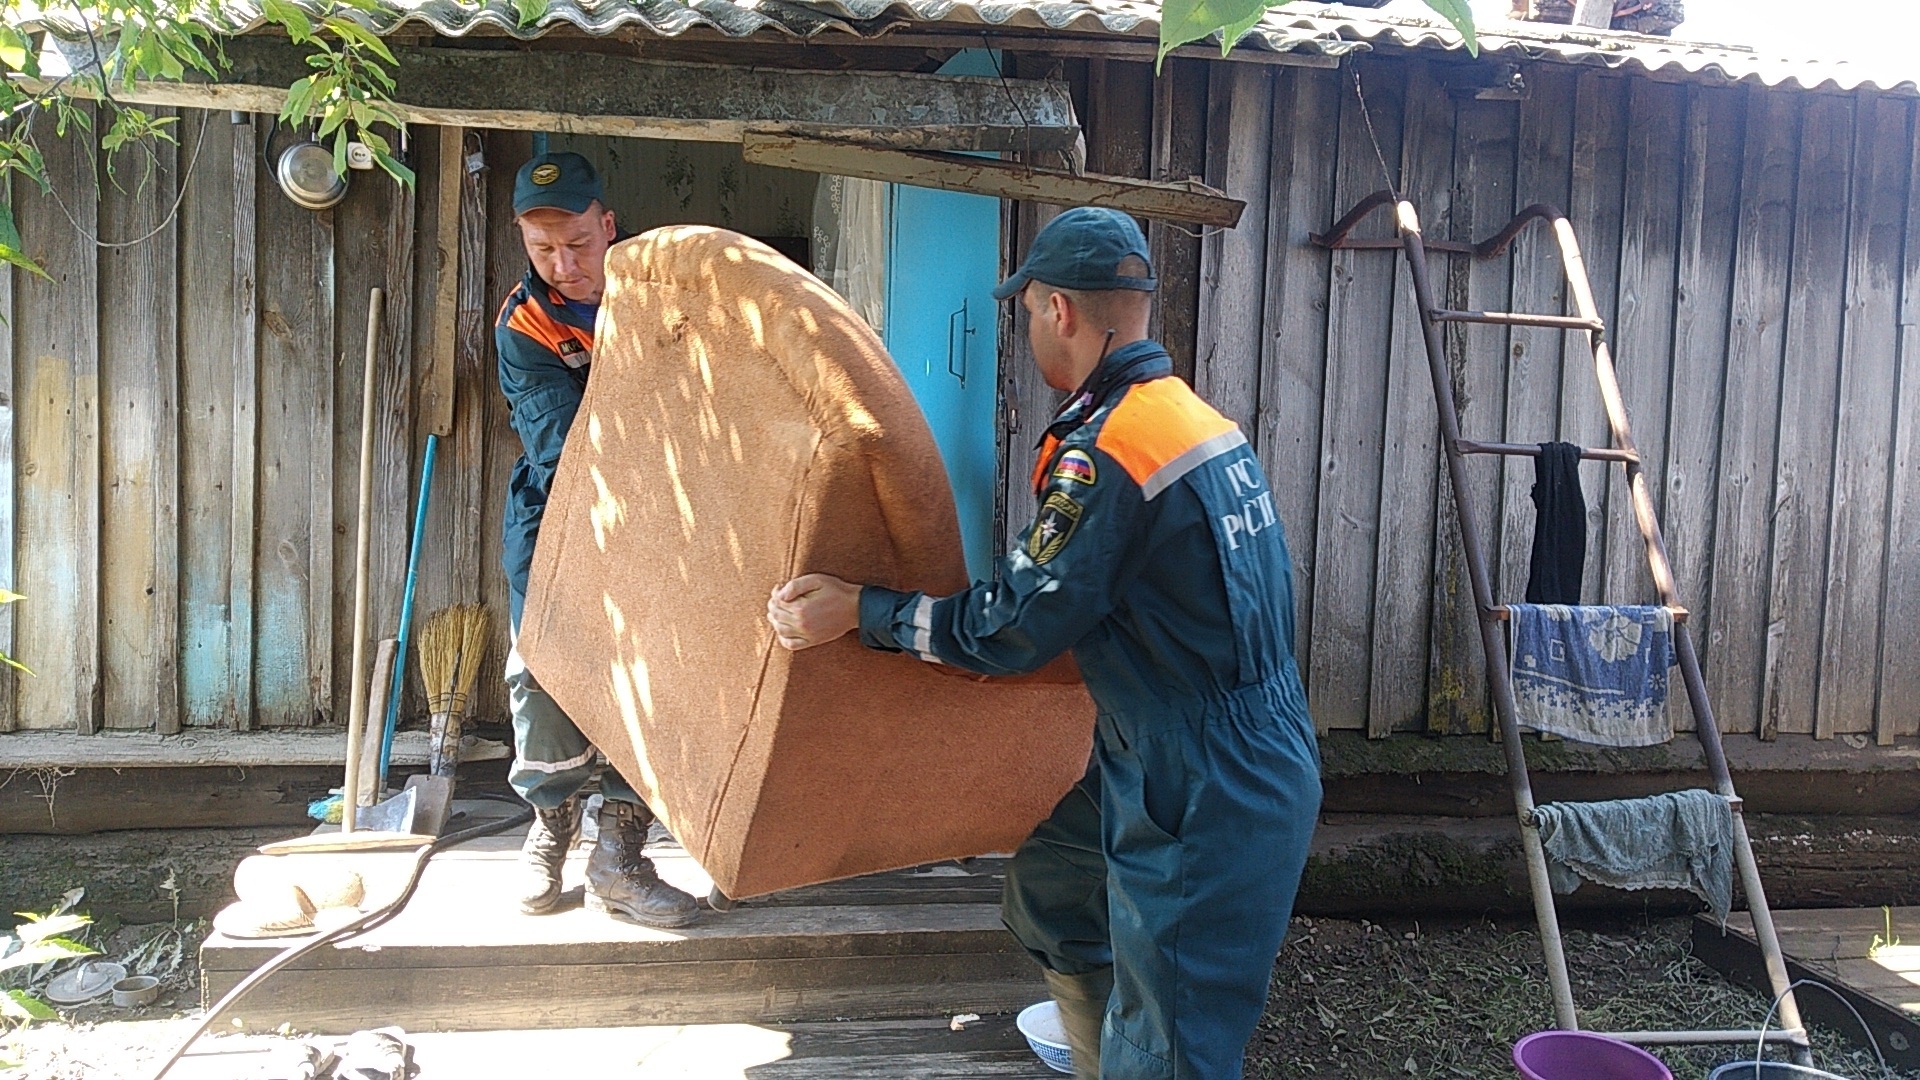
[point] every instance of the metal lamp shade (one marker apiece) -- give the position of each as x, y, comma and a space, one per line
305, 172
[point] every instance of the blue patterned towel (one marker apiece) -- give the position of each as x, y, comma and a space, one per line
1593, 674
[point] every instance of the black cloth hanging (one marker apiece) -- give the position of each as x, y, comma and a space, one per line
1560, 529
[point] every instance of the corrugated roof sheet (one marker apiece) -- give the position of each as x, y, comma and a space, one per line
1326, 30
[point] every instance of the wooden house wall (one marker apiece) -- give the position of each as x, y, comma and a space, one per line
1753, 252
180, 477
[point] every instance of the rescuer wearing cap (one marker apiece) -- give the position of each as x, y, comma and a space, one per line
544, 336
1157, 893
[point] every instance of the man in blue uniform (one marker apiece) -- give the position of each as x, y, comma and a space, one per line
544, 336
1157, 894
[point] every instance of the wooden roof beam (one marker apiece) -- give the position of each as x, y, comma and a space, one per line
596, 94
1187, 202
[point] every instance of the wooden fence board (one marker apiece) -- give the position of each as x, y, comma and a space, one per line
1743, 531
9, 510
139, 363
291, 358
1803, 487
1709, 214
475, 385
1595, 207
58, 445
1360, 310
1292, 373
1484, 171
1537, 358
324, 358
1403, 568
1642, 334
1869, 368
245, 422
1179, 151
1899, 678
1233, 262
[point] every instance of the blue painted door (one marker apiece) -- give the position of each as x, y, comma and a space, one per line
943, 260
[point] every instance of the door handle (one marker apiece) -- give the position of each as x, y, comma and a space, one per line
966, 331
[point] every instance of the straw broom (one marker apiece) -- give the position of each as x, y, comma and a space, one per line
452, 644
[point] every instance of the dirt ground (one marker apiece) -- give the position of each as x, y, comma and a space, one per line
1351, 1000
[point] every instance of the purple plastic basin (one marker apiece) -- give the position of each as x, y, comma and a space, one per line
1578, 1055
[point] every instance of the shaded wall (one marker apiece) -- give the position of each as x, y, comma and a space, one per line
1752, 252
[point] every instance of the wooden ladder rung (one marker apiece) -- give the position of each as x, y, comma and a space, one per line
1533, 450
1502, 613
1519, 318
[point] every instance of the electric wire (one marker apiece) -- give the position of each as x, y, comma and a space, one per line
371, 920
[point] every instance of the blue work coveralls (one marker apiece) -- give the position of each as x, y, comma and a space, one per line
1157, 557
545, 350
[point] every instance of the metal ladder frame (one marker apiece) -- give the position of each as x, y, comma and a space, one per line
1586, 318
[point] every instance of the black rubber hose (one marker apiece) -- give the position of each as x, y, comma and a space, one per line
371, 920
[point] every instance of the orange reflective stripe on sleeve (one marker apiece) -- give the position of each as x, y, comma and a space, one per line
1162, 430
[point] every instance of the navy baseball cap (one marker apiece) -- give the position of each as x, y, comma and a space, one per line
560, 181
1082, 249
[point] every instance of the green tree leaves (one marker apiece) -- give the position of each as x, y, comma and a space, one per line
1182, 21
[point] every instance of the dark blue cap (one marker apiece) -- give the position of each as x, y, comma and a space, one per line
1082, 249
562, 181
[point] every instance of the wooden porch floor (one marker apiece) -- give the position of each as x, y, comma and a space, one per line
893, 954
1836, 946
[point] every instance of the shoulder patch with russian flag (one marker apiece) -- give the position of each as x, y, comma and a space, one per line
1075, 466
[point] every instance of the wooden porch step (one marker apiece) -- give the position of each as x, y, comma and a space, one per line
927, 1049
909, 944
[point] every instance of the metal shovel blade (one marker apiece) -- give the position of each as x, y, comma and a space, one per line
392, 815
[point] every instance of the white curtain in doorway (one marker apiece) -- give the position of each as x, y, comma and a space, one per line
850, 243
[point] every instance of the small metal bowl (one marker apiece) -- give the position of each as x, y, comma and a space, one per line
305, 172
135, 991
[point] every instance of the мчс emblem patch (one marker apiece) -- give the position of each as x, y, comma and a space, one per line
545, 174
1054, 526
1075, 466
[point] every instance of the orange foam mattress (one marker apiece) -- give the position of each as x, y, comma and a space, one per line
742, 425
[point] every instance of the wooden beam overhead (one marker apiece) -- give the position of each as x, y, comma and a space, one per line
595, 94
1189, 202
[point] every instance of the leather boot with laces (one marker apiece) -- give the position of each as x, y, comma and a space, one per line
622, 880
544, 855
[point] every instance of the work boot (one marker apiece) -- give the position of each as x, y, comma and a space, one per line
544, 855
621, 880
1083, 1009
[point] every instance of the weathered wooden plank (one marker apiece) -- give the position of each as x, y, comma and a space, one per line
1226, 368
207, 334
1360, 309
1709, 219
603, 94
989, 176
244, 421
1850, 640
324, 360
436, 385
1484, 169
139, 368
57, 627
1743, 529
1180, 149
361, 257
1899, 679
1809, 393
94, 800
291, 361
1119, 117
1595, 207
394, 469
1306, 125
474, 379
1537, 359
1642, 333
9, 510
1403, 574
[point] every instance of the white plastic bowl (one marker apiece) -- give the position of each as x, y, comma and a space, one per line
1040, 1023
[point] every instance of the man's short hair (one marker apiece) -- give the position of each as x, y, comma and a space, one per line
1109, 306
